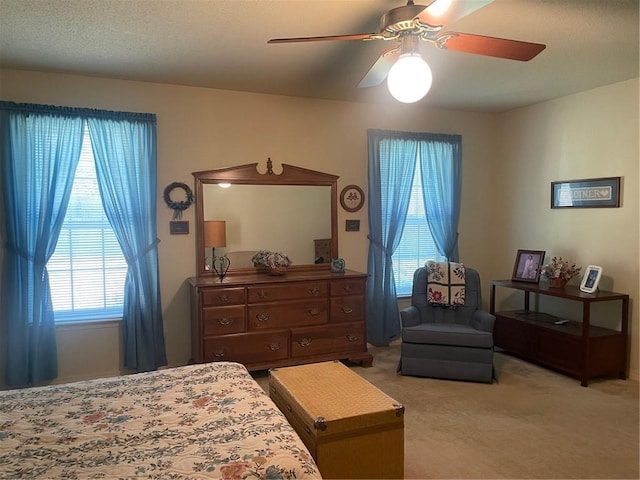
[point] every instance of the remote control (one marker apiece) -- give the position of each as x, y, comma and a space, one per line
560, 322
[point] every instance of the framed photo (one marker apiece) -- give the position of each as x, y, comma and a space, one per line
590, 193
179, 227
352, 198
352, 225
527, 266
591, 279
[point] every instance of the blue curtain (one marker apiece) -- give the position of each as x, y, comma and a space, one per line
124, 147
441, 168
39, 154
392, 157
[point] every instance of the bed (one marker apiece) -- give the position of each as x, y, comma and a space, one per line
199, 421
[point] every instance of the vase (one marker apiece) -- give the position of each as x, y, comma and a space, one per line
557, 282
277, 270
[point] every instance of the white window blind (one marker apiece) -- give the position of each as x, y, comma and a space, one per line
416, 244
87, 270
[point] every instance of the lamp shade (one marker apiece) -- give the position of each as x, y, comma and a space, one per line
409, 78
215, 233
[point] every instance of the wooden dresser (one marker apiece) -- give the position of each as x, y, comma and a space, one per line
265, 321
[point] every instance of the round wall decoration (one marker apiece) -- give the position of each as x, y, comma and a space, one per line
352, 198
178, 205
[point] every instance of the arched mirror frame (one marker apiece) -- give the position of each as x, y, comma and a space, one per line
248, 174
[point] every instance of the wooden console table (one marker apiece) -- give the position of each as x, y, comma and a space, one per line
575, 348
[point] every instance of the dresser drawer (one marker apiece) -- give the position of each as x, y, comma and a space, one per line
344, 338
248, 347
347, 286
223, 320
215, 297
287, 291
347, 309
287, 314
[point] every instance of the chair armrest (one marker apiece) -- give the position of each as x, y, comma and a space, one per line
483, 321
410, 316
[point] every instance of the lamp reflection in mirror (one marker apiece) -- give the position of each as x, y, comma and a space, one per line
409, 78
215, 235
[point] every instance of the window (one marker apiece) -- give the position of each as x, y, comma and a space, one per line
87, 271
416, 244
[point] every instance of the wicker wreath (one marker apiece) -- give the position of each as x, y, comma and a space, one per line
181, 205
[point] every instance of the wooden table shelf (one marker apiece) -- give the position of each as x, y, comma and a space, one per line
575, 348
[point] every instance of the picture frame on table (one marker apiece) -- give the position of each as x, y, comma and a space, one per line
587, 193
527, 266
591, 279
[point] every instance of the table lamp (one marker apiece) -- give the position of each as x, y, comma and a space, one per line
215, 235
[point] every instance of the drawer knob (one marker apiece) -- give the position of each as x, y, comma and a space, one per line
352, 337
223, 297
304, 342
346, 288
347, 310
314, 312
219, 353
224, 321
314, 291
262, 317
274, 347
262, 294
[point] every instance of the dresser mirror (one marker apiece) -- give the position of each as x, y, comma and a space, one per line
294, 212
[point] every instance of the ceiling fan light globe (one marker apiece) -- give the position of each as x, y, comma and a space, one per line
409, 78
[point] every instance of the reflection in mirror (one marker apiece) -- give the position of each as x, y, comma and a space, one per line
286, 219
294, 212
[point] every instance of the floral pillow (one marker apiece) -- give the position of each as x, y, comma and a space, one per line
445, 283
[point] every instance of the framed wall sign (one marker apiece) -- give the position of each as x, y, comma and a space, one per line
352, 225
352, 198
179, 227
588, 193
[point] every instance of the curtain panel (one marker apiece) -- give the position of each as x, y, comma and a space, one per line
392, 157
387, 215
125, 155
39, 153
441, 168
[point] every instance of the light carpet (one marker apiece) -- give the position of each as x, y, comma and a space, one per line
530, 423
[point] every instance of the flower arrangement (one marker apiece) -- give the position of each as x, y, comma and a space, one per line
560, 269
271, 260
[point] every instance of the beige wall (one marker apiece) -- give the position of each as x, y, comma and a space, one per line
200, 129
509, 161
589, 135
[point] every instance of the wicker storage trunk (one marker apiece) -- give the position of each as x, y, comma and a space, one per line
352, 429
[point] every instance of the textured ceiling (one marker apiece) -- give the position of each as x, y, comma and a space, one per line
223, 44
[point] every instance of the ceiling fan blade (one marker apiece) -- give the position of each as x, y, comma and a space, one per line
444, 12
489, 46
379, 71
355, 36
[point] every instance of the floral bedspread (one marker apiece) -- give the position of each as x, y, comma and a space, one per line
199, 421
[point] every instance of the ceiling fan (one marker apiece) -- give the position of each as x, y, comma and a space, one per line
411, 23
